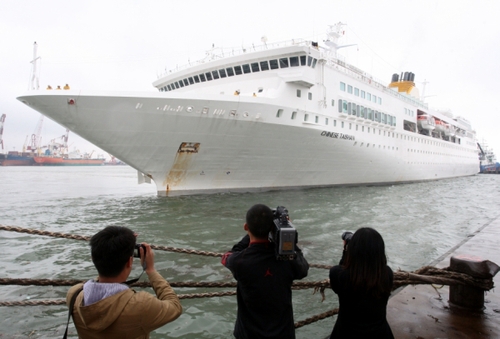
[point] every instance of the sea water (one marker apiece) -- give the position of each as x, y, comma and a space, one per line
419, 222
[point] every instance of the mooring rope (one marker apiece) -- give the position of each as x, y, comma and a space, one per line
63, 301
425, 275
155, 247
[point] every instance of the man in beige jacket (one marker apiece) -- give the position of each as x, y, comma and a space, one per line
108, 308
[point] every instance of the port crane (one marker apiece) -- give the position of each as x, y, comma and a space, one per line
36, 137
2, 120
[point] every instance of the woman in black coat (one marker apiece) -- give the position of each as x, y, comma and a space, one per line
363, 283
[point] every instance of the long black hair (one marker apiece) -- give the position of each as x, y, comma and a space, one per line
366, 263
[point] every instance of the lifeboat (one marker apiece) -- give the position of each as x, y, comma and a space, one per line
440, 125
426, 122
449, 130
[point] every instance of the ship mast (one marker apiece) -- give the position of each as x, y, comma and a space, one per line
333, 35
34, 85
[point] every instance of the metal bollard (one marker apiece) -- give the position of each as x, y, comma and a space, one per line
469, 297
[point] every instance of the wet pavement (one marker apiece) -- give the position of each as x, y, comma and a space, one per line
424, 312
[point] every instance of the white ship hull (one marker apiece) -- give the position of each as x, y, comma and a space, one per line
238, 153
205, 139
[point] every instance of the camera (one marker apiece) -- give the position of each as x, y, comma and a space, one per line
137, 253
284, 235
346, 236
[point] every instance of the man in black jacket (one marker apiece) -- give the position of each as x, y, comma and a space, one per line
264, 291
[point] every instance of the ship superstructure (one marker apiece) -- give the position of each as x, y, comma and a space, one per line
273, 117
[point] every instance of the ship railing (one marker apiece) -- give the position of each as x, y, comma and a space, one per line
218, 53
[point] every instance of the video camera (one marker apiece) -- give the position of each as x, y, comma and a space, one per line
284, 235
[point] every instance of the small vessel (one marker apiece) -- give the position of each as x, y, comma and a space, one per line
56, 154
14, 158
488, 162
59, 161
269, 117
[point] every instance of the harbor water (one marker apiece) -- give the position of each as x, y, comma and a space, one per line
419, 222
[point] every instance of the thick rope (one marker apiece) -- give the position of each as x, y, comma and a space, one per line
71, 282
424, 275
181, 296
317, 317
87, 238
63, 301
155, 247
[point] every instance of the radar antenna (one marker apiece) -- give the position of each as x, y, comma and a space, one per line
334, 33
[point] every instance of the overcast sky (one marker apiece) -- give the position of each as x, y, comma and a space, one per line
454, 45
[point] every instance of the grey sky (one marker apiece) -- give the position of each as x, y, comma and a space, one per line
124, 45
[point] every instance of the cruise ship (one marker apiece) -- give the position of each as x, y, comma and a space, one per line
270, 117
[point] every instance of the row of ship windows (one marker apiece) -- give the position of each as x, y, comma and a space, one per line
373, 130
434, 153
409, 112
360, 93
353, 109
294, 61
306, 118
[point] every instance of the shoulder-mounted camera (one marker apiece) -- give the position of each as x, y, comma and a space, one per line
283, 235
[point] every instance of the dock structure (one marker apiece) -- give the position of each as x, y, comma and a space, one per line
425, 311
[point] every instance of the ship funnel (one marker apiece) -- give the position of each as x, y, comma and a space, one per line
395, 77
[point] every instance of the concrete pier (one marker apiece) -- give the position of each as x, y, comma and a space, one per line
423, 312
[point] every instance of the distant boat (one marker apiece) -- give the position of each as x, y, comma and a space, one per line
114, 162
487, 160
51, 158
14, 158
60, 161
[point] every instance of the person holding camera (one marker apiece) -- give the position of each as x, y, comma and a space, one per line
107, 307
363, 283
264, 293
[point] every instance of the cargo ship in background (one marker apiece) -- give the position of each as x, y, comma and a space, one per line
53, 154
276, 116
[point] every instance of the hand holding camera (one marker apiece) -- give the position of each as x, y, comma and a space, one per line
346, 236
147, 255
